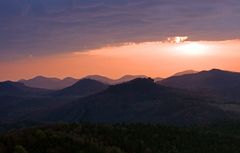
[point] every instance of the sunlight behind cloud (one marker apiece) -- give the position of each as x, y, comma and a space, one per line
193, 49
154, 59
177, 39
154, 50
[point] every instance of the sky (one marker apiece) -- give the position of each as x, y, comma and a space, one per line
116, 37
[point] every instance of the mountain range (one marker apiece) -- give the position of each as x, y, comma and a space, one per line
185, 72
49, 83
140, 100
109, 81
9, 88
192, 98
83, 87
57, 84
215, 82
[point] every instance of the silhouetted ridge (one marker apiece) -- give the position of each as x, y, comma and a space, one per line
10, 88
43, 77
185, 72
100, 78
68, 79
10, 84
86, 82
141, 81
49, 83
214, 82
83, 87
127, 78
109, 81
139, 100
139, 84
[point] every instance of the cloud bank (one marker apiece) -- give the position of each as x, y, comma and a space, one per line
44, 27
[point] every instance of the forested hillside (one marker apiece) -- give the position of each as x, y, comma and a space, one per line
119, 138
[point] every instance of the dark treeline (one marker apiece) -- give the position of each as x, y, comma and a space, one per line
121, 138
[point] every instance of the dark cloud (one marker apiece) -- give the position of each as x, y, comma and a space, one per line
42, 27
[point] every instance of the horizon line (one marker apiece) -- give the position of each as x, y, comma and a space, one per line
116, 78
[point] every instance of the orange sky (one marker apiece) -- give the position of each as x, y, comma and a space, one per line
155, 59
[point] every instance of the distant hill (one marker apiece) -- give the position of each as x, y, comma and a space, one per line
83, 87
100, 78
140, 100
49, 83
127, 78
182, 100
185, 72
57, 84
9, 88
214, 82
109, 81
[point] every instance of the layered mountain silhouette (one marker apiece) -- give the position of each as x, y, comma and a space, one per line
57, 84
100, 78
83, 87
109, 81
9, 88
127, 78
214, 82
140, 100
185, 72
49, 83
183, 99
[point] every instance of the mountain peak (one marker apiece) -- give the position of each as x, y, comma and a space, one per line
69, 79
128, 76
83, 87
40, 77
215, 69
49, 83
219, 70
142, 81
100, 78
122, 79
185, 72
138, 84
214, 82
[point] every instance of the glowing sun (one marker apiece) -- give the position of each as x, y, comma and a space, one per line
192, 48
